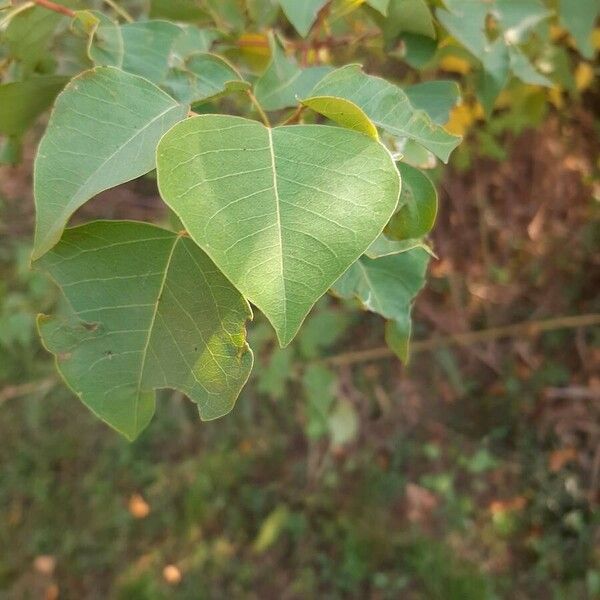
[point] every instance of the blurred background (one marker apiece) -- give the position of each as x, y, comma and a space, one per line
471, 473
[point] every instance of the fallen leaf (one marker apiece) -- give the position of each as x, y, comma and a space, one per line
138, 507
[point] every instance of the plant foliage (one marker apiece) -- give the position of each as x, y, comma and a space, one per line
292, 169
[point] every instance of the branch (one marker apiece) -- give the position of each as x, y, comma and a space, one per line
527, 329
259, 108
59, 8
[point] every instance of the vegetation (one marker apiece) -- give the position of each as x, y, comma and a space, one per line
239, 197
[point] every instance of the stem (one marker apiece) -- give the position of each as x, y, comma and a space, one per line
120, 11
529, 328
59, 8
259, 108
295, 116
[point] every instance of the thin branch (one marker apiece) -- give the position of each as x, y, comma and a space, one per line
295, 116
120, 11
59, 8
259, 108
15, 391
527, 329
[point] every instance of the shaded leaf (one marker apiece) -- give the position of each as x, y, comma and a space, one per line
302, 14
149, 310
436, 98
406, 16
204, 76
343, 423
318, 383
283, 212
21, 102
388, 107
523, 69
284, 82
103, 131
579, 18
418, 206
105, 41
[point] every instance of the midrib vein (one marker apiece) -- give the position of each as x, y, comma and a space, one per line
151, 327
277, 209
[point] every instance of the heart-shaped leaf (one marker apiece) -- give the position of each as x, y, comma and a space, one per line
103, 131
283, 212
148, 310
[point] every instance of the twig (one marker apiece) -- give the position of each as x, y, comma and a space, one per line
295, 116
15, 391
120, 11
259, 108
530, 328
59, 8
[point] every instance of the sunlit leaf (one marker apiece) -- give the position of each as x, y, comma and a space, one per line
103, 131
147, 310
283, 212
343, 112
388, 107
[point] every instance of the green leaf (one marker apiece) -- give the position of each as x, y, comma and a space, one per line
418, 50
29, 35
148, 310
387, 286
418, 206
493, 78
204, 76
103, 131
523, 69
21, 102
274, 376
283, 212
519, 17
397, 337
147, 48
384, 246
105, 41
406, 16
302, 13
436, 98
318, 384
388, 107
343, 423
465, 20
343, 112
380, 6
579, 18
284, 82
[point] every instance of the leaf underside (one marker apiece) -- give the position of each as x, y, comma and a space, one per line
147, 310
282, 212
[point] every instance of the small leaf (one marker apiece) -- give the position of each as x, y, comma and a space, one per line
406, 16
418, 206
388, 107
465, 20
343, 423
517, 18
318, 384
579, 18
105, 41
523, 69
436, 98
103, 131
21, 102
387, 286
343, 112
203, 77
283, 212
284, 82
397, 336
147, 48
148, 310
493, 78
380, 6
302, 13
